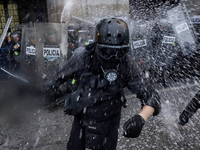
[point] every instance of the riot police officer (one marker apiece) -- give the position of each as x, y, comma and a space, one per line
165, 47
193, 61
14, 46
190, 109
104, 69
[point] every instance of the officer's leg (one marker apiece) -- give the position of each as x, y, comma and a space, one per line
77, 136
112, 136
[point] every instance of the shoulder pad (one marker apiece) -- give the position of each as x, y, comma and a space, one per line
90, 48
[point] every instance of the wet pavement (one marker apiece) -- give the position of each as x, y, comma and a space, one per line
25, 125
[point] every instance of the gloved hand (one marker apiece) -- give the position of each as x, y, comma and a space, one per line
133, 127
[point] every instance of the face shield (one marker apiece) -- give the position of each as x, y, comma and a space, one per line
15, 38
112, 38
82, 36
71, 33
107, 51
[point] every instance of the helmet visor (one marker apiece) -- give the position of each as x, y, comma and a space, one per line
108, 51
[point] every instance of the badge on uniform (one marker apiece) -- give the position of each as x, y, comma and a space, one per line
17, 46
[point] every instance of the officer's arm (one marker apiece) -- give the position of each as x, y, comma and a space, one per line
146, 112
149, 98
150, 105
190, 109
73, 66
143, 89
8, 37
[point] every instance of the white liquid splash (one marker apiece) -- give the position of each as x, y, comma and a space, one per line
68, 8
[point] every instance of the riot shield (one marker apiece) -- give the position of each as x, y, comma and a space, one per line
141, 44
164, 41
28, 52
196, 25
182, 27
51, 48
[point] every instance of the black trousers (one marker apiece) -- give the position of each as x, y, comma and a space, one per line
77, 140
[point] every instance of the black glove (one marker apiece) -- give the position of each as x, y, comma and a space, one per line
133, 127
190, 109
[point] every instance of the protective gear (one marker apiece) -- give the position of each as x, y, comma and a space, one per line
16, 33
107, 51
112, 31
16, 52
78, 100
14, 47
71, 33
133, 127
112, 38
91, 116
96, 125
110, 75
190, 109
148, 97
82, 36
196, 24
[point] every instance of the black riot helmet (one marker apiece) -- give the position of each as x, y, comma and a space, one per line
112, 38
16, 33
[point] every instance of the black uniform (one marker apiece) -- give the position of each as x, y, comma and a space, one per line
103, 69
190, 66
186, 67
190, 70
190, 109
14, 55
97, 103
165, 47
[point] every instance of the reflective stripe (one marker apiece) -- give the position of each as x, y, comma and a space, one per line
73, 81
16, 53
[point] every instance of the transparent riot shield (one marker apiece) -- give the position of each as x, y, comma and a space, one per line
165, 42
28, 52
141, 44
51, 48
182, 27
83, 38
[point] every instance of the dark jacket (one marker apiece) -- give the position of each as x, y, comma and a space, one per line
84, 64
190, 109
